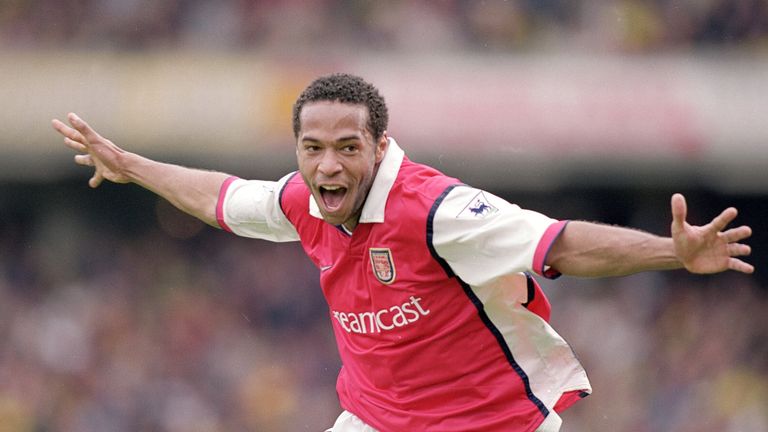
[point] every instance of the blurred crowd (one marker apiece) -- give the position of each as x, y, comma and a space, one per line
165, 326
119, 313
403, 25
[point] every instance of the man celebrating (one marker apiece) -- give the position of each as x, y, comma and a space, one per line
427, 279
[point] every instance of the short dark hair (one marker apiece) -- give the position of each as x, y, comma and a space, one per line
345, 88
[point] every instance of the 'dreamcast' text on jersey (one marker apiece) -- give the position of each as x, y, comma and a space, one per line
383, 319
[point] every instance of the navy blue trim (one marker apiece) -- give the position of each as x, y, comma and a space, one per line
280, 195
531, 289
504, 347
343, 230
479, 305
430, 223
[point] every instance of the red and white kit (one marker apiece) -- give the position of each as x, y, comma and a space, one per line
430, 335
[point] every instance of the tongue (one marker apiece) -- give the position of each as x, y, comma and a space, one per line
333, 199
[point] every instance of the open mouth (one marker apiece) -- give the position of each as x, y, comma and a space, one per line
332, 196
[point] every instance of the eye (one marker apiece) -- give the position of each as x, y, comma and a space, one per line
349, 148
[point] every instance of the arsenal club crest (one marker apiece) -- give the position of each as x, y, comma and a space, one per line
383, 266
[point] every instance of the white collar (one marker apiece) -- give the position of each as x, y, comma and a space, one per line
373, 209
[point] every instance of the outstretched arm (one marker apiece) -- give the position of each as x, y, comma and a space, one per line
193, 191
590, 249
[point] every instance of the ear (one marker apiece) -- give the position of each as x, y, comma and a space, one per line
381, 147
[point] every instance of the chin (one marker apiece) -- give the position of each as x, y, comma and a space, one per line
333, 220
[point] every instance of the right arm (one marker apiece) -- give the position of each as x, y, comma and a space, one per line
191, 190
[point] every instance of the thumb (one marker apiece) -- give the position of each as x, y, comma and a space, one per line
679, 212
96, 180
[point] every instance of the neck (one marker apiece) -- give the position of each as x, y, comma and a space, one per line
350, 225
352, 222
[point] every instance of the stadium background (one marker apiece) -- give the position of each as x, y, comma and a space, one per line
118, 313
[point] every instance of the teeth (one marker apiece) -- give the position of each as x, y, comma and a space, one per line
331, 188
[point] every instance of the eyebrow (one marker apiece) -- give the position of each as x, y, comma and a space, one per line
349, 138
342, 139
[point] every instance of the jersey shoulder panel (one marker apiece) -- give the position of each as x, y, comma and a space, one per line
294, 195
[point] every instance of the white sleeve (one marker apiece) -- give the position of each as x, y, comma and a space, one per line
251, 208
482, 236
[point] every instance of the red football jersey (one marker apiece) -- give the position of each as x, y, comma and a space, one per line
429, 335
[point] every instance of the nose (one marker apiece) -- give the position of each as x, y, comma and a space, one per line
329, 163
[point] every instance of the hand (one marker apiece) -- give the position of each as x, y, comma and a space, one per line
708, 248
96, 151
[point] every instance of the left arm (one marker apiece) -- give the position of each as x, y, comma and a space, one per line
593, 250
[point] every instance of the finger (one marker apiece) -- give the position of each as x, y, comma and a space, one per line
740, 266
737, 234
723, 219
75, 145
739, 249
679, 211
58, 125
67, 131
82, 127
84, 160
96, 180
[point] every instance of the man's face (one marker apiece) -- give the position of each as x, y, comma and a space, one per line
338, 158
